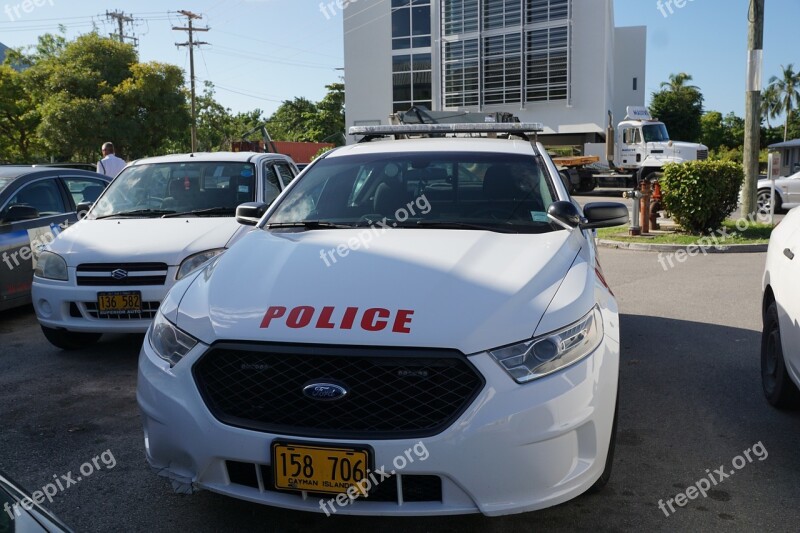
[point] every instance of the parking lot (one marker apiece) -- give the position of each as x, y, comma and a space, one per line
690, 403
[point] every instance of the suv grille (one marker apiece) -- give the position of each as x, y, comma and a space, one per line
121, 274
702, 155
392, 393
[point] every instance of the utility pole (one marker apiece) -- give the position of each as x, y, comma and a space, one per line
191, 43
752, 128
121, 19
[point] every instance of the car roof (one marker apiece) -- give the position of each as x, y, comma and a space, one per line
458, 144
222, 157
19, 171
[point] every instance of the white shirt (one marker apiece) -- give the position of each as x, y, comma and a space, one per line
110, 165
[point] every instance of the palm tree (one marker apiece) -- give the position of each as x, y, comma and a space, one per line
770, 101
788, 90
677, 82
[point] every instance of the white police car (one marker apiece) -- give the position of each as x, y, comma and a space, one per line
417, 327
780, 340
158, 221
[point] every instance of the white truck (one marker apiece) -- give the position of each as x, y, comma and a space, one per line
638, 149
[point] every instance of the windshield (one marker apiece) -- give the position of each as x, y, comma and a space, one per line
4, 183
654, 133
167, 188
458, 190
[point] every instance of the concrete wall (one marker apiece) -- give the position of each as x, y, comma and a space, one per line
630, 61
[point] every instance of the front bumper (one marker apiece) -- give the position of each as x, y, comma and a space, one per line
517, 448
65, 305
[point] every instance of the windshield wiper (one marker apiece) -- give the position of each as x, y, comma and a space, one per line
201, 212
444, 224
137, 212
309, 224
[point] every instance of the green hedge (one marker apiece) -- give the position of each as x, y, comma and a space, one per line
701, 194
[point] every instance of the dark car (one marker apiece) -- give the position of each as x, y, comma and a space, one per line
21, 511
36, 203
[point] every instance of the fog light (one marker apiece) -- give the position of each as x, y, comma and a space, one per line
45, 309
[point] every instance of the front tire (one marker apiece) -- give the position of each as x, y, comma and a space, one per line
779, 389
765, 197
70, 340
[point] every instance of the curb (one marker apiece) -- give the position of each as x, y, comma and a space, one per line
645, 247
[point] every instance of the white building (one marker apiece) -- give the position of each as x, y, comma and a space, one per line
559, 62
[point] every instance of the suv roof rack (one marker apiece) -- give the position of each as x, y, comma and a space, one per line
440, 130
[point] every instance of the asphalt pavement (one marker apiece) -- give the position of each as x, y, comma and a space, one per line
690, 403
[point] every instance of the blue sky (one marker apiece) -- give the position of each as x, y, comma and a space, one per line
266, 51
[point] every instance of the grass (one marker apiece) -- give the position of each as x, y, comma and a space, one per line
753, 234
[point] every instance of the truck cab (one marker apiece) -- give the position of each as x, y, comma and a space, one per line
643, 145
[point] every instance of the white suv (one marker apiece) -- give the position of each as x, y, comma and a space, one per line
159, 220
416, 327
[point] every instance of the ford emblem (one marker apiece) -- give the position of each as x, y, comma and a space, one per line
326, 392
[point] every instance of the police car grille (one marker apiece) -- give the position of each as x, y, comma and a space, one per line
391, 393
135, 274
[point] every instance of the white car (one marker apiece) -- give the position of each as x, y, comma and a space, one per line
780, 340
787, 193
416, 327
157, 222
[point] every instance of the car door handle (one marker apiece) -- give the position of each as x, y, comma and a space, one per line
788, 253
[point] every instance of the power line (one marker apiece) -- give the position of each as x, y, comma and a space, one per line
191, 43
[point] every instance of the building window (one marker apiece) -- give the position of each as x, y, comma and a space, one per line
411, 62
411, 24
547, 64
635, 84
459, 17
462, 73
524, 52
412, 81
502, 69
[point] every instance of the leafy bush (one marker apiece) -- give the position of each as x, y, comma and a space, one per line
701, 194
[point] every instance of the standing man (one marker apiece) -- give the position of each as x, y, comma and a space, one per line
110, 165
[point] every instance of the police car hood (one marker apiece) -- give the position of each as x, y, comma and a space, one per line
152, 240
469, 290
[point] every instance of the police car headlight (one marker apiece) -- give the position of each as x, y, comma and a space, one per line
170, 343
549, 353
193, 262
51, 266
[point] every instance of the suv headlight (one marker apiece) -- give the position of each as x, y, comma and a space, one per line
51, 266
170, 343
549, 353
193, 262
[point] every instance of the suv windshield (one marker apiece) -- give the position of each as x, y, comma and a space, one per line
654, 133
454, 190
165, 188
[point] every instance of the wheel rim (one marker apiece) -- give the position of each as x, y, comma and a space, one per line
764, 201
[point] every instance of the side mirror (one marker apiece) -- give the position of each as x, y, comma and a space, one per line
248, 214
83, 208
17, 213
604, 215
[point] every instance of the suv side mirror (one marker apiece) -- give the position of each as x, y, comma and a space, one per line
83, 208
248, 214
17, 213
604, 215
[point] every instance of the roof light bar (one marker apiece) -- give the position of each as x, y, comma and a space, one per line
422, 129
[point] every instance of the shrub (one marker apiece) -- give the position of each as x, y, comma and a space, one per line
701, 194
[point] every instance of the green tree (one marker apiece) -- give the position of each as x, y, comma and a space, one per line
93, 89
18, 118
680, 107
770, 101
293, 120
713, 130
787, 87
